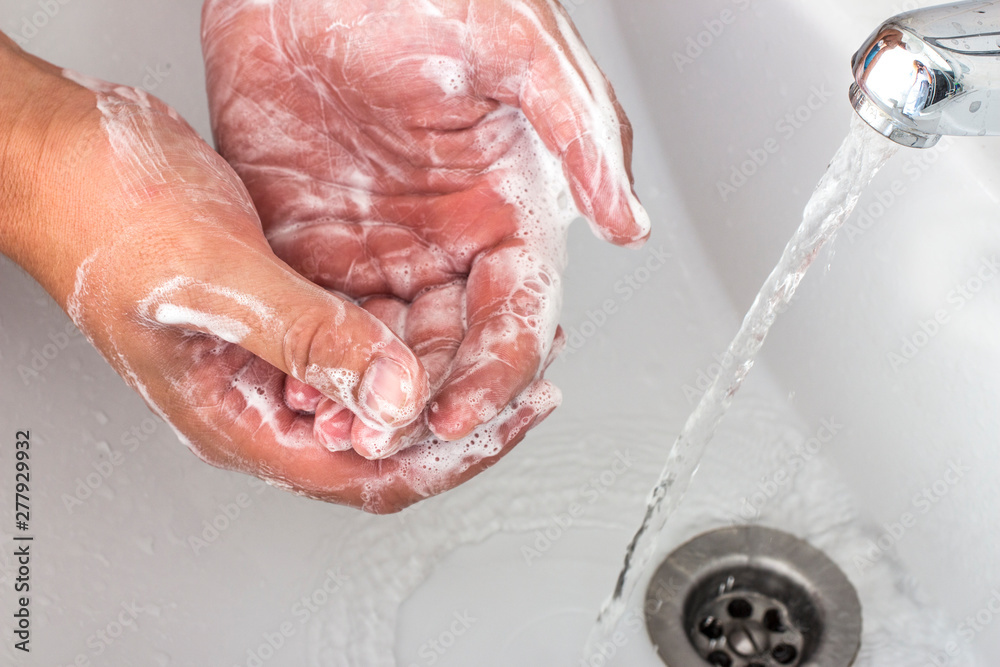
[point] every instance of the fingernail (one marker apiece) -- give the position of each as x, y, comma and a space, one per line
333, 429
300, 396
387, 388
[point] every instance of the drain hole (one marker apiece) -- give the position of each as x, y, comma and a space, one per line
740, 608
772, 621
752, 597
720, 659
785, 654
710, 627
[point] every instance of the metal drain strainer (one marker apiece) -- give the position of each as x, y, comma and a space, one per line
752, 597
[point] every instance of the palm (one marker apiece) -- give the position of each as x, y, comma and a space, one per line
394, 150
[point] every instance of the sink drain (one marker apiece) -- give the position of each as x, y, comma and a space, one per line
752, 597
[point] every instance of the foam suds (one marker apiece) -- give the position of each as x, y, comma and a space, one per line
225, 328
339, 382
450, 74
268, 407
599, 123
431, 466
74, 303
378, 154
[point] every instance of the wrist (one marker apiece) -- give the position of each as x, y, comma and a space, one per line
42, 143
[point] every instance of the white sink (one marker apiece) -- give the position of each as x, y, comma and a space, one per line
511, 568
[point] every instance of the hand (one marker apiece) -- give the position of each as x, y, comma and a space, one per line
392, 148
151, 243
432, 326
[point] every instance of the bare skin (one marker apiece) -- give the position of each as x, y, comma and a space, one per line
380, 141
109, 241
311, 349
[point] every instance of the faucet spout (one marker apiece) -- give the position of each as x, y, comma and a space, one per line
931, 72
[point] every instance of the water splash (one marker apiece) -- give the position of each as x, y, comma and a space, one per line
854, 165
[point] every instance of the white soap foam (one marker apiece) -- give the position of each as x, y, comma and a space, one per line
450, 74
601, 123
429, 467
258, 399
225, 328
228, 328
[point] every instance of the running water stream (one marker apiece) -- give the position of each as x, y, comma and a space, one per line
853, 166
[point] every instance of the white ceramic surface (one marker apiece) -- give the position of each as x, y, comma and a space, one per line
464, 561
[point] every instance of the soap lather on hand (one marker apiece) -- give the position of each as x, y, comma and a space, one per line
358, 303
404, 157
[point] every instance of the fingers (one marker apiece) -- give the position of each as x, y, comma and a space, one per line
378, 443
571, 105
433, 327
300, 396
333, 425
432, 467
241, 423
247, 427
248, 297
512, 302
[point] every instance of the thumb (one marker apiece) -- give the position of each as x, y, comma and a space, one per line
251, 298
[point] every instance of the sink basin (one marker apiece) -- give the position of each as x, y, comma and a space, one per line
868, 427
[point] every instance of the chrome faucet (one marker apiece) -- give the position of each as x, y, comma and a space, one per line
931, 72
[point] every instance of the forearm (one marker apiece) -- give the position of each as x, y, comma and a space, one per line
40, 133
